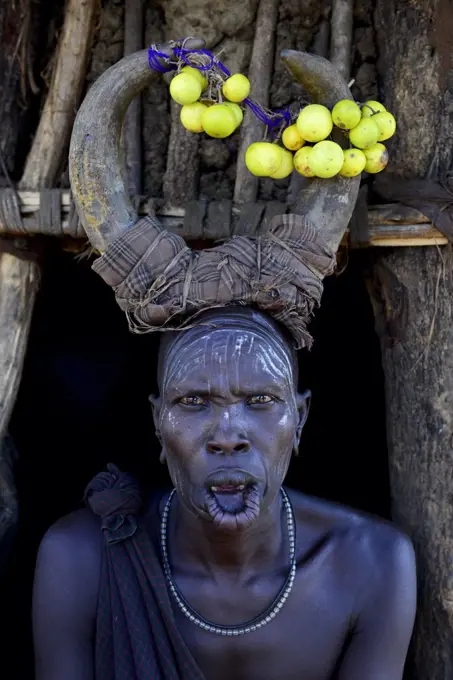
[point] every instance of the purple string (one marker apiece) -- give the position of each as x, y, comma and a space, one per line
183, 54
223, 68
279, 116
154, 63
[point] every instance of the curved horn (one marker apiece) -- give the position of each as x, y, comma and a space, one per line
95, 158
329, 203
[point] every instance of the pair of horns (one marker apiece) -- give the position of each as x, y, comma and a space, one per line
96, 164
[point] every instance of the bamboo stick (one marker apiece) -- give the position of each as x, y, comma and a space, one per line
260, 74
19, 277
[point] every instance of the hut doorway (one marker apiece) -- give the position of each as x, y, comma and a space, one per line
83, 403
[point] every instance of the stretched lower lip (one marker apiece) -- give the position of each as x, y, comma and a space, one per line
234, 509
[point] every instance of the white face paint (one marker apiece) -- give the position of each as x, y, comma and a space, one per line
220, 386
228, 351
172, 419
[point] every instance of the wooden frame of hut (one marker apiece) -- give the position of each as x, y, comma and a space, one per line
406, 233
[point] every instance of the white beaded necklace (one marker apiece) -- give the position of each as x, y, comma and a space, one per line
256, 623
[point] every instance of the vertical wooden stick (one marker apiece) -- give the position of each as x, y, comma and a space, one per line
133, 39
413, 293
321, 48
180, 182
260, 74
19, 277
52, 136
19, 280
341, 36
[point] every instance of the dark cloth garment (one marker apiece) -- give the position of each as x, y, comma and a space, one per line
160, 283
136, 634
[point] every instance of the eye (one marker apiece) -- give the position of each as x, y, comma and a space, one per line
260, 399
192, 401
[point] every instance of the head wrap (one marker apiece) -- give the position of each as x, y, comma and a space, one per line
162, 284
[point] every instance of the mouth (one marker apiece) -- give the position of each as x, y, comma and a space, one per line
232, 499
227, 488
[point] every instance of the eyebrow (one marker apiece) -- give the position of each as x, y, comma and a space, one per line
264, 388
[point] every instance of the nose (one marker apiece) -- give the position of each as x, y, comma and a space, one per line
228, 437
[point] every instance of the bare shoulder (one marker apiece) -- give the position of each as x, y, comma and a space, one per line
71, 553
365, 540
78, 534
65, 594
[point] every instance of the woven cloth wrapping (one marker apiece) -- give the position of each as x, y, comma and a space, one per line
162, 284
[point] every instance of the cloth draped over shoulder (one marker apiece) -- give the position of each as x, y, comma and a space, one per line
136, 634
161, 283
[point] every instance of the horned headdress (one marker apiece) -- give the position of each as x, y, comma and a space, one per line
158, 280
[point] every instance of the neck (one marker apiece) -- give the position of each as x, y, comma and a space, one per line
199, 546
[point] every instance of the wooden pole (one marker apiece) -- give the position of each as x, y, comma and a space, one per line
390, 225
18, 276
321, 48
50, 144
260, 74
341, 36
14, 37
180, 181
415, 66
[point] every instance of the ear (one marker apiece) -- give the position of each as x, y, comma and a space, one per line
303, 406
156, 404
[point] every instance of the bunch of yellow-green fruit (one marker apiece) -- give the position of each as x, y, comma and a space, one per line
309, 151
201, 114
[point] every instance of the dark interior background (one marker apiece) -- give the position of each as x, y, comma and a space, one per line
83, 402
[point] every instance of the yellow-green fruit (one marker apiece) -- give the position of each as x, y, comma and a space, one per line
326, 159
191, 115
197, 74
185, 88
346, 114
218, 121
286, 166
292, 138
377, 158
237, 112
301, 161
314, 123
365, 134
386, 124
236, 88
263, 159
354, 162
371, 107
